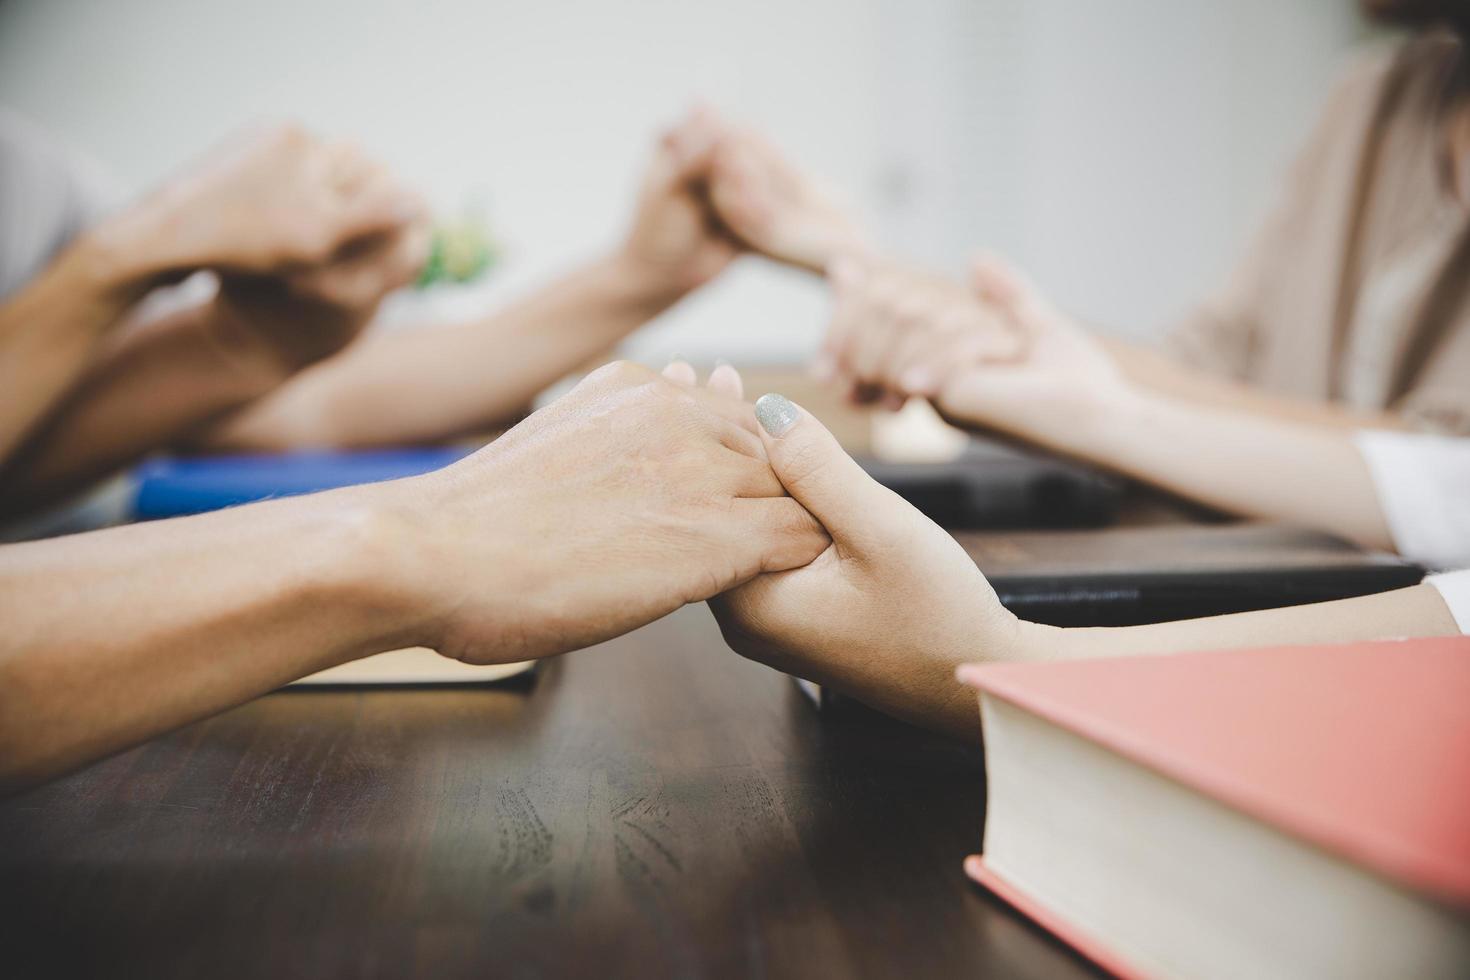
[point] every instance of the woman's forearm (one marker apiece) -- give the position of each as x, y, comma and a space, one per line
1152, 370
441, 382
1241, 462
238, 603
1412, 612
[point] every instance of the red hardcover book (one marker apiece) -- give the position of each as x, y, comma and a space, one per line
1292, 812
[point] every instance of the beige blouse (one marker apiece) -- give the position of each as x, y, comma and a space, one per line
1357, 290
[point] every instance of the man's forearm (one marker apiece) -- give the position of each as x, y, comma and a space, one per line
239, 603
145, 391
49, 330
441, 382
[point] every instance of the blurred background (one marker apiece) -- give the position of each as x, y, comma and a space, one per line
1120, 151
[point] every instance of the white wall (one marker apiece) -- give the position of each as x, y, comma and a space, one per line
1117, 149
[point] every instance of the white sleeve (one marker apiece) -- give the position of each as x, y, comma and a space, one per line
1423, 485
1454, 588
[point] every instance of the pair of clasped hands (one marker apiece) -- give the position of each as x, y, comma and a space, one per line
637, 492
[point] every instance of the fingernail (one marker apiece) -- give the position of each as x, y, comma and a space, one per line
776, 414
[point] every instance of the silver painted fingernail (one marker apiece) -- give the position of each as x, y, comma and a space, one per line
776, 414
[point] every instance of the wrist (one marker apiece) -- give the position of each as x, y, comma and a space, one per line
368, 567
642, 284
124, 256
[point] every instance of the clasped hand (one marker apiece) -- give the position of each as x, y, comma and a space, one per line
637, 493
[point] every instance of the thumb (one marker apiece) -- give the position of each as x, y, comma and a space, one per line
820, 475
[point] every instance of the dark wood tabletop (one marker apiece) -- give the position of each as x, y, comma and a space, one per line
652, 807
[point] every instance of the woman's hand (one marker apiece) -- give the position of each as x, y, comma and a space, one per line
674, 244
617, 504
990, 354
776, 209
888, 610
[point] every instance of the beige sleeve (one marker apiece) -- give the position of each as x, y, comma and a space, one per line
1440, 399
1223, 334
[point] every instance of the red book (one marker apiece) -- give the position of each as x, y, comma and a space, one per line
1292, 812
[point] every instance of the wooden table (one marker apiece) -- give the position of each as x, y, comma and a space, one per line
652, 807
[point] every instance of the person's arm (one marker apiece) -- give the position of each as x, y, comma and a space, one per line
1057, 387
51, 328
440, 382
895, 606
273, 208
1156, 371
625, 499
1236, 460
156, 384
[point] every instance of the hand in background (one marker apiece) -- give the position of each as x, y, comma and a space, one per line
888, 610
675, 245
300, 317
627, 498
993, 355
776, 209
265, 203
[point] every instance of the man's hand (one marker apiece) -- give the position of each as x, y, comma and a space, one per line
990, 354
675, 245
266, 203
627, 498
888, 610
774, 208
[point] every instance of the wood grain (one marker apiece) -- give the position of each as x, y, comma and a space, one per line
651, 807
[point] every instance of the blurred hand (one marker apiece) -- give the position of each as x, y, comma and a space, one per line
300, 317
265, 203
620, 502
675, 244
776, 209
992, 354
888, 610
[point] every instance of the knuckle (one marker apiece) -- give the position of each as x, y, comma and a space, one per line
620, 373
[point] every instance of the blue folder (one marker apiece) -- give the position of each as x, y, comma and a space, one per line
174, 487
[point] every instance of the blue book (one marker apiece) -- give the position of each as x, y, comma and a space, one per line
174, 487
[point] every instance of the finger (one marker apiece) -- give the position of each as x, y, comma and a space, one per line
1005, 286
724, 407
910, 370
688, 150
780, 533
848, 292
745, 471
381, 205
895, 304
975, 868
346, 166
681, 372
819, 473
725, 380
746, 443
